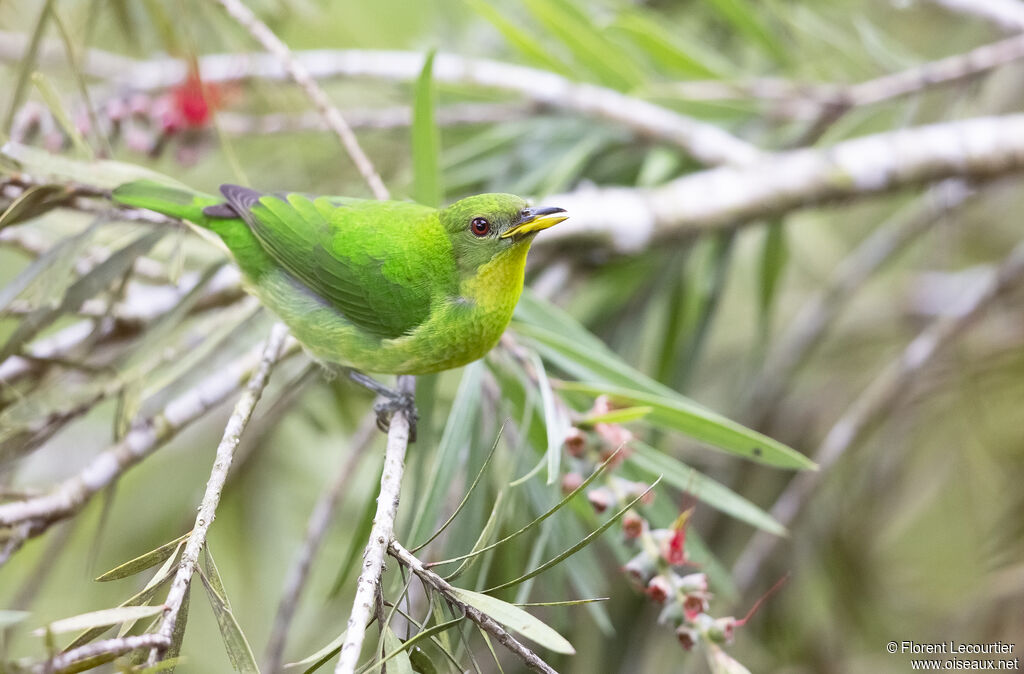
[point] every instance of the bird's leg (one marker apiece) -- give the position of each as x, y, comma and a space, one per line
388, 402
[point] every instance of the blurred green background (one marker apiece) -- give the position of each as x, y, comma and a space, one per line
916, 533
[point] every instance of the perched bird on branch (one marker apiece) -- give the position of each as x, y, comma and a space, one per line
372, 286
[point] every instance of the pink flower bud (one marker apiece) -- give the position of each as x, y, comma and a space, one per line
659, 589
722, 630
687, 637
602, 405
575, 442
600, 498
633, 525
640, 569
694, 583
694, 605
571, 482
614, 434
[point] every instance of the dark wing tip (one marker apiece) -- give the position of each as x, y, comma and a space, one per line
220, 211
241, 199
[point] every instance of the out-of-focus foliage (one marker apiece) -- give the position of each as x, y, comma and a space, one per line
914, 534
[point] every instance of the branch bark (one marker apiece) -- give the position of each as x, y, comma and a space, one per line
705, 142
218, 475
872, 405
381, 534
484, 621
118, 646
630, 219
316, 529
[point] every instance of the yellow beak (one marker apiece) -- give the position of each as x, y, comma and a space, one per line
536, 219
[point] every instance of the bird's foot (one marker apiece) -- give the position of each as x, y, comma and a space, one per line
385, 407
388, 402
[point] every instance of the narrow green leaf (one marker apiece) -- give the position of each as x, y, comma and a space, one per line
591, 48
708, 491
142, 562
180, 625
426, 139
356, 542
102, 618
746, 18
774, 255
621, 415
465, 498
682, 57
568, 497
455, 439
554, 561
701, 424
397, 653
485, 535
567, 602
517, 620
532, 49
138, 599
213, 576
235, 643
555, 421
105, 174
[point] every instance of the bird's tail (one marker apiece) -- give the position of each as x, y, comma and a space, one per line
177, 202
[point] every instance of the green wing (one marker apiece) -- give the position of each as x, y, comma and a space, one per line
378, 263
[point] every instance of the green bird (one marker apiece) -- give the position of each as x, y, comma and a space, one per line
389, 287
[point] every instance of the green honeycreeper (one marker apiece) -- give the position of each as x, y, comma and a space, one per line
378, 286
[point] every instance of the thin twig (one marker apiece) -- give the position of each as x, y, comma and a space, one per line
381, 534
484, 621
298, 72
872, 405
316, 529
239, 419
117, 646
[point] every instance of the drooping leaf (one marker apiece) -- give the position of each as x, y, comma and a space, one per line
517, 620
426, 139
701, 424
235, 643
454, 440
102, 618
142, 562
708, 491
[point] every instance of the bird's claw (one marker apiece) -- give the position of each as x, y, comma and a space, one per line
389, 403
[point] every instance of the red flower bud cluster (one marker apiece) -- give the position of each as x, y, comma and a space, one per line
140, 122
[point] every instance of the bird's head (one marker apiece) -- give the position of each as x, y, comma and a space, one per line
485, 226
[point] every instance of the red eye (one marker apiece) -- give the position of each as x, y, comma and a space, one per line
480, 226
